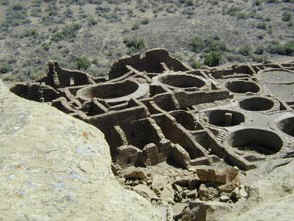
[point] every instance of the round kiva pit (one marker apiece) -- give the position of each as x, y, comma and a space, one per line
258, 140
113, 92
242, 87
225, 118
257, 104
181, 80
287, 126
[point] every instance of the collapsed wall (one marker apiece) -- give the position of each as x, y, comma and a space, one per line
154, 110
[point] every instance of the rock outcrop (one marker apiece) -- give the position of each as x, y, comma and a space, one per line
55, 167
270, 196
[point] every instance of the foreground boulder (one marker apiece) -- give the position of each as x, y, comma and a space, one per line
55, 167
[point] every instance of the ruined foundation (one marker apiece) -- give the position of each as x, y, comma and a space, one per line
166, 119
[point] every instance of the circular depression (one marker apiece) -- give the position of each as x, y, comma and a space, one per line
242, 87
258, 140
287, 126
181, 80
256, 104
225, 118
113, 92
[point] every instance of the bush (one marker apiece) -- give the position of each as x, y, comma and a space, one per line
233, 11
242, 15
259, 50
195, 63
215, 44
4, 2
135, 27
145, 21
18, 7
68, 32
134, 45
258, 2
275, 48
289, 48
197, 44
281, 49
83, 63
286, 16
92, 21
212, 59
5, 68
210, 44
16, 15
261, 26
245, 51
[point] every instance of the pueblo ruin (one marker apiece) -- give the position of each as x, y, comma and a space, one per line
176, 134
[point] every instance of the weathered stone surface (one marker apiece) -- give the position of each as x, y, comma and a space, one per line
198, 210
127, 156
180, 156
278, 210
271, 196
224, 176
136, 174
145, 191
55, 167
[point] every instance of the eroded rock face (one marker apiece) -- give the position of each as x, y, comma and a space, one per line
55, 167
271, 196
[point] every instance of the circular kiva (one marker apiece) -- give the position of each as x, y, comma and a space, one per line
180, 80
114, 92
225, 118
242, 87
257, 104
287, 126
258, 140
35, 92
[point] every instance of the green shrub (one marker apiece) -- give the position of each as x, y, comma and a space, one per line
275, 48
17, 7
31, 33
67, 33
145, 21
195, 63
36, 12
242, 15
92, 21
83, 63
233, 11
258, 2
197, 44
5, 68
286, 16
134, 44
261, 26
215, 44
4, 2
213, 58
245, 50
259, 50
16, 15
135, 27
46, 45
281, 49
289, 48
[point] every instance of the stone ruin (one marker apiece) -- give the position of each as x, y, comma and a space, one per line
176, 133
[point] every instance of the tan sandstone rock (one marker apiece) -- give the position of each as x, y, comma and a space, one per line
55, 167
